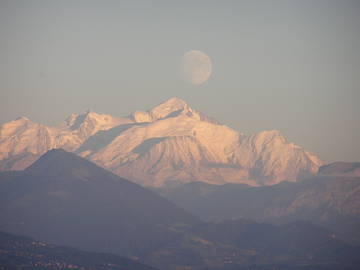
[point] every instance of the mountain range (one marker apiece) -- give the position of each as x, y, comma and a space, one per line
166, 145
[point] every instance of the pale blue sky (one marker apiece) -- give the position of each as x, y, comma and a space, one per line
287, 65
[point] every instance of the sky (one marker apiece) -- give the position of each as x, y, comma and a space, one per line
289, 65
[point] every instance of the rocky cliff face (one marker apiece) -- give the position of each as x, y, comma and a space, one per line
168, 144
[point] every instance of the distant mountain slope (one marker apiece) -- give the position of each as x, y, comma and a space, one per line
318, 197
171, 143
296, 241
348, 169
333, 201
243, 244
67, 200
17, 252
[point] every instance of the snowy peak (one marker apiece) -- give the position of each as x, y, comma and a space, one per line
87, 124
10, 128
170, 108
267, 137
173, 107
70, 121
22, 119
22, 141
101, 121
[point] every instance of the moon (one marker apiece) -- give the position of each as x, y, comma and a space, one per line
196, 67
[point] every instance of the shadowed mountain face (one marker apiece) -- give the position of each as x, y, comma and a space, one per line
170, 143
19, 252
68, 200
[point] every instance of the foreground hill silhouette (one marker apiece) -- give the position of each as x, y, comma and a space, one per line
67, 200
18, 252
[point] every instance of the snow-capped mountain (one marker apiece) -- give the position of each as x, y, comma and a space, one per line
168, 144
22, 141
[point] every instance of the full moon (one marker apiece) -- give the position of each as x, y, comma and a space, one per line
196, 67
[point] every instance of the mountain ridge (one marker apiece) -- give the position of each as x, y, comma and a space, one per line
196, 147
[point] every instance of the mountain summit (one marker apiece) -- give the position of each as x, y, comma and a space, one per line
168, 144
171, 108
165, 109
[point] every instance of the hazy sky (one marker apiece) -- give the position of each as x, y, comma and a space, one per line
287, 65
